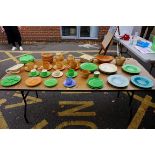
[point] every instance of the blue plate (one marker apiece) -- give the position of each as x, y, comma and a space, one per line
142, 81
71, 85
118, 81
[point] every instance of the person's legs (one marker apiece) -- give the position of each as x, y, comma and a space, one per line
19, 43
20, 46
13, 46
143, 31
150, 29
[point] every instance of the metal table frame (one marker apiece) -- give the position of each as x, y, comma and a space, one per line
25, 93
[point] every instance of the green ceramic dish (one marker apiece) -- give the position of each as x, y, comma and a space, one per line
51, 82
95, 83
75, 74
89, 66
37, 74
44, 76
132, 69
26, 58
10, 80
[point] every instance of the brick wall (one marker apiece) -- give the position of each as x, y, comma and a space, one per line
45, 34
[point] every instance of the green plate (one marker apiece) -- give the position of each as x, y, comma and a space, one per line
48, 74
89, 66
37, 74
10, 80
51, 82
132, 69
75, 74
26, 58
95, 83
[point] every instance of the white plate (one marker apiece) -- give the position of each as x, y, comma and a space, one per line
15, 68
108, 68
56, 76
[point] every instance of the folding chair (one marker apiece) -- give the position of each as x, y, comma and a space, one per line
107, 40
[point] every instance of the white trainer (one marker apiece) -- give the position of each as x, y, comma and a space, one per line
14, 48
21, 48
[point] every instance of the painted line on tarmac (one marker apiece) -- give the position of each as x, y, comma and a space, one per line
2, 101
76, 123
3, 124
41, 124
77, 110
12, 57
33, 100
140, 113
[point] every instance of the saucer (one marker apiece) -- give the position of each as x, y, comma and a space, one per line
75, 74
51, 82
44, 76
71, 85
37, 74
56, 76
55, 67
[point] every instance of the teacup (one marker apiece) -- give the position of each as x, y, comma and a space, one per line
46, 64
73, 64
59, 65
44, 72
96, 74
33, 72
69, 81
71, 72
120, 61
57, 73
85, 73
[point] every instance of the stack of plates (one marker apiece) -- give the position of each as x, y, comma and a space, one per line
118, 81
95, 83
108, 68
142, 81
132, 69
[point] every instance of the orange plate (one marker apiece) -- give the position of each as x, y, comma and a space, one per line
33, 81
104, 58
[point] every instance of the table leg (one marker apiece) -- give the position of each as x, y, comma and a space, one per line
152, 65
25, 107
118, 94
130, 104
36, 94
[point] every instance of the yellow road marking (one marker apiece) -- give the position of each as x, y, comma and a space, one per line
2, 101
12, 57
140, 99
41, 124
140, 113
76, 123
75, 111
3, 124
5, 59
28, 97
33, 100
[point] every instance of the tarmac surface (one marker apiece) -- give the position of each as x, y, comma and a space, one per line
72, 110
